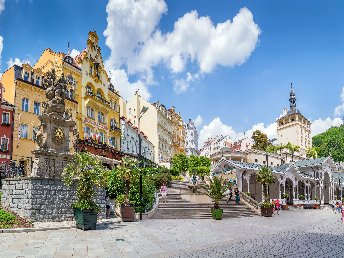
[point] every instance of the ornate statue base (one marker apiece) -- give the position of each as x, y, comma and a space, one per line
53, 151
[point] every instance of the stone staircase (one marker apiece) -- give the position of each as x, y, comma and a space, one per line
178, 206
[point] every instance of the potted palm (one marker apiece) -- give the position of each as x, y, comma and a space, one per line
88, 173
266, 178
285, 196
216, 191
124, 175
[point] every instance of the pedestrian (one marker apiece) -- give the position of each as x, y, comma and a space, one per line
163, 191
277, 206
107, 201
336, 208
342, 215
230, 194
237, 196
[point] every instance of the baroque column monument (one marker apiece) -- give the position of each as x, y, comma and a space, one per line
52, 138
42, 196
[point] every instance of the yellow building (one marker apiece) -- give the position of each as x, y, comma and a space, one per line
24, 89
178, 138
99, 109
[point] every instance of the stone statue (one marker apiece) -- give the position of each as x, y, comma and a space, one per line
56, 90
52, 136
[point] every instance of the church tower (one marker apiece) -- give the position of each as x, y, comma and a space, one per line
293, 127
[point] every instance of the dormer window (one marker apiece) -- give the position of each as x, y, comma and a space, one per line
26, 76
38, 80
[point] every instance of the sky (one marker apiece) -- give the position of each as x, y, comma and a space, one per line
226, 64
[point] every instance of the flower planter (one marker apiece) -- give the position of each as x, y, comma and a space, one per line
316, 206
285, 207
267, 212
216, 213
85, 219
128, 213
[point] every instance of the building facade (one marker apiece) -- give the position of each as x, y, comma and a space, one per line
213, 145
6, 129
25, 90
99, 110
130, 141
293, 127
191, 139
178, 132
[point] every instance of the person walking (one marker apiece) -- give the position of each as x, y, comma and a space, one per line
163, 191
277, 206
237, 196
107, 201
230, 194
342, 215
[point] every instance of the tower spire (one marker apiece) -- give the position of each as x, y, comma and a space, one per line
292, 98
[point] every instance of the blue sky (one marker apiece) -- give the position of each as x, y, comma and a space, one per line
298, 41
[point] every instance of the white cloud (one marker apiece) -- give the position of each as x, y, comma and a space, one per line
2, 6
17, 61
321, 125
182, 85
120, 80
217, 127
339, 110
138, 45
74, 53
198, 121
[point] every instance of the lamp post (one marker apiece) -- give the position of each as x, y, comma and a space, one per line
143, 110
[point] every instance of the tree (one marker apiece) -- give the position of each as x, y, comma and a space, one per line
216, 190
292, 149
199, 165
260, 140
272, 149
89, 173
266, 178
330, 143
179, 164
311, 152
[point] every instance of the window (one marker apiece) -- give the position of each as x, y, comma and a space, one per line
25, 104
71, 94
90, 112
23, 131
38, 80
91, 70
99, 95
37, 107
26, 76
101, 117
4, 144
5, 118
256, 160
113, 123
88, 89
113, 142
102, 137
35, 129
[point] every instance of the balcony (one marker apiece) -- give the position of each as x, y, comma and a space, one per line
114, 128
5, 123
99, 99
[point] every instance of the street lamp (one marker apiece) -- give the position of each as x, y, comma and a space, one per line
143, 110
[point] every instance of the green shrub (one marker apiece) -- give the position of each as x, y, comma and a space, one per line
266, 205
7, 220
179, 178
161, 178
301, 197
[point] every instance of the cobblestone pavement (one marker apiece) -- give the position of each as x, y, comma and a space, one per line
296, 233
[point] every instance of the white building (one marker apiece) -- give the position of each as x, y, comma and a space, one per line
293, 127
130, 141
156, 123
191, 139
214, 145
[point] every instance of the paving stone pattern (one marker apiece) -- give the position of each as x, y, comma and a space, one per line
42, 199
297, 233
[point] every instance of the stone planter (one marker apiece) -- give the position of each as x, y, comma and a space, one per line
128, 213
85, 219
285, 207
267, 212
216, 213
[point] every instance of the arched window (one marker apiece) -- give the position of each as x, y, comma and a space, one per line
99, 94
101, 118
89, 89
